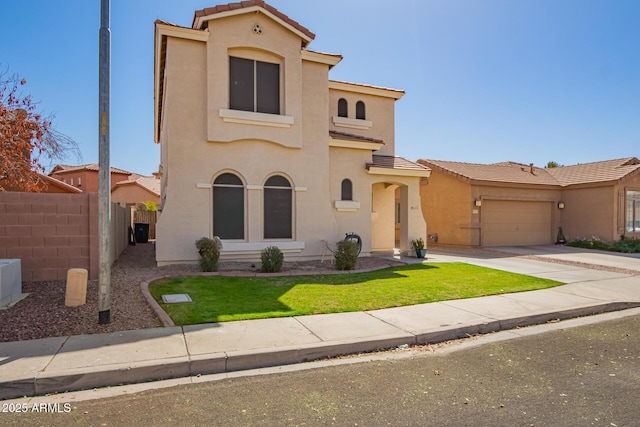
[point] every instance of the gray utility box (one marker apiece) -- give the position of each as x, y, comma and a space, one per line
10, 281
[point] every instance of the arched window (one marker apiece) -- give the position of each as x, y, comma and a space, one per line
347, 190
228, 207
278, 208
343, 108
360, 113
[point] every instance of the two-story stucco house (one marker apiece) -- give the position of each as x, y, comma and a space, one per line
261, 148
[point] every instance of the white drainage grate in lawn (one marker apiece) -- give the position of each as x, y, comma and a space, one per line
176, 298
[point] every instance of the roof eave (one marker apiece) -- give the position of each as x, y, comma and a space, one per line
162, 31
198, 21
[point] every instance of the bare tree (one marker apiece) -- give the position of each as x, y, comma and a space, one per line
27, 138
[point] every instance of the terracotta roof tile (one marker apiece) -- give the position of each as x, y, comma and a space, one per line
500, 172
250, 3
394, 162
608, 170
149, 183
512, 172
89, 167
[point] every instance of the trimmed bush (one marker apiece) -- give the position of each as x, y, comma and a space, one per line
346, 254
209, 250
272, 259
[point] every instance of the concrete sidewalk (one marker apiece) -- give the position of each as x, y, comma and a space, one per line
78, 362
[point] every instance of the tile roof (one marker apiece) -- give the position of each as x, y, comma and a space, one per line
512, 172
90, 167
499, 172
250, 3
395, 162
351, 137
49, 180
149, 183
608, 170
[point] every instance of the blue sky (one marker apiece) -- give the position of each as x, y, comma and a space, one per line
485, 80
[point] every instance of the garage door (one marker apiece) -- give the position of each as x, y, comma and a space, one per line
516, 223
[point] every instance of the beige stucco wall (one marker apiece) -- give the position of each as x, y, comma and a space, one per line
201, 139
233, 36
349, 164
447, 207
589, 212
379, 111
184, 217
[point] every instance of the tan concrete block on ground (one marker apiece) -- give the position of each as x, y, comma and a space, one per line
76, 292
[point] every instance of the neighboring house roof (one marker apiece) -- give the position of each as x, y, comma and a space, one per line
517, 173
232, 8
95, 167
398, 164
53, 184
148, 183
608, 170
499, 172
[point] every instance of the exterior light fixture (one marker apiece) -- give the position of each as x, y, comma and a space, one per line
478, 203
560, 205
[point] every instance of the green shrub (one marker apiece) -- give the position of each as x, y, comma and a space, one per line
628, 245
623, 245
346, 254
272, 259
209, 250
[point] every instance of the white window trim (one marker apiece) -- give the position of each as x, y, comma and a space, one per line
255, 119
346, 122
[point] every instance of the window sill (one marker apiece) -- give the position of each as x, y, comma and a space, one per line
255, 119
286, 246
347, 206
346, 122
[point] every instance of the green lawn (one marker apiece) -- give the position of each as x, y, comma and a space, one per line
223, 298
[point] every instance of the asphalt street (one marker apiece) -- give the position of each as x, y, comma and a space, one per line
565, 376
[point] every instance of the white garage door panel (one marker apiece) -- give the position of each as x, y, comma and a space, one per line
516, 223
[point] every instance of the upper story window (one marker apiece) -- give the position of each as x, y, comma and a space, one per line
254, 86
360, 113
343, 108
346, 190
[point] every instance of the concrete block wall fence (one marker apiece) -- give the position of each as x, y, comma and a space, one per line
51, 233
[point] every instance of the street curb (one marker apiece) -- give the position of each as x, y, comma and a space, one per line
225, 362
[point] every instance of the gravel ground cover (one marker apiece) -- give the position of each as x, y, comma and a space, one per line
43, 313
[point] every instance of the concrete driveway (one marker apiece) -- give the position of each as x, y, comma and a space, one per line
587, 257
